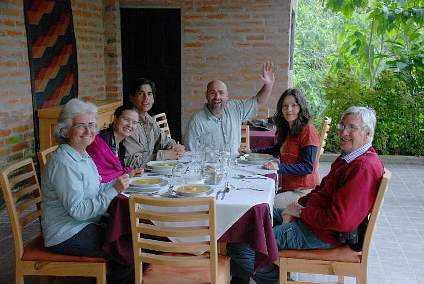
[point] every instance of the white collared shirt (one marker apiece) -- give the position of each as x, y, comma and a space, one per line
355, 154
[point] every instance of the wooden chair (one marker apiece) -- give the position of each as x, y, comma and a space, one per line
21, 192
323, 137
263, 112
163, 123
176, 262
245, 136
44, 155
341, 261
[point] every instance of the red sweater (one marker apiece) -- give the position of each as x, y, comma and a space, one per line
344, 197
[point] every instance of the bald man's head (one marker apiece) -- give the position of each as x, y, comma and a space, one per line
216, 96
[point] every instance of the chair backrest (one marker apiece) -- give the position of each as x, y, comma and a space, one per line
44, 155
163, 123
145, 235
384, 185
323, 137
21, 192
263, 112
245, 136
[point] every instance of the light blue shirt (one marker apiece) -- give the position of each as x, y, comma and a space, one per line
73, 196
355, 154
205, 129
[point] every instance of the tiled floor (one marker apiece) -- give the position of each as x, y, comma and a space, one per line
397, 249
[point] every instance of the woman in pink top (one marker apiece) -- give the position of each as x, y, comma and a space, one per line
108, 151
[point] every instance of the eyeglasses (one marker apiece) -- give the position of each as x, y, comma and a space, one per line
128, 120
349, 127
83, 126
290, 106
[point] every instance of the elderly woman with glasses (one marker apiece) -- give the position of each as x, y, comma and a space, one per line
73, 197
108, 150
148, 142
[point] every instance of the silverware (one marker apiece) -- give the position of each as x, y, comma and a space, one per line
251, 188
225, 191
217, 194
249, 177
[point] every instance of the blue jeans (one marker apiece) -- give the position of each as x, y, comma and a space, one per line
294, 235
88, 242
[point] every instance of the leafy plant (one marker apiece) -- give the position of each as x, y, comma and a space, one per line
400, 119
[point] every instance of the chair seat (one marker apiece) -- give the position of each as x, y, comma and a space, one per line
159, 274
35, 251
342, 253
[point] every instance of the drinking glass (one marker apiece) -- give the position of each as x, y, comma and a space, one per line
178, 174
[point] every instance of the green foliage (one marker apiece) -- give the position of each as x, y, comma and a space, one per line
315, 39
370, 53
391, 36
342, 90
400, 111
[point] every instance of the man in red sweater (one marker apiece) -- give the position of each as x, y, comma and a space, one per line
338, 205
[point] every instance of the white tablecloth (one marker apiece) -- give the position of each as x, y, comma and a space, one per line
239, 199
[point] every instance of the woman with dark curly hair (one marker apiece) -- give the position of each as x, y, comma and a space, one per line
297, 146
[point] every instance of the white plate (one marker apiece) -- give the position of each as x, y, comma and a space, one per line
147, 184
258, 157
193, 190
163, 167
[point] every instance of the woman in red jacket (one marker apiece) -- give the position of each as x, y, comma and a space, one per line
297, 146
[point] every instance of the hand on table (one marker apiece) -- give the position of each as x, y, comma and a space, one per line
122, 183
271, 166
244, 150
175, 153
137, 172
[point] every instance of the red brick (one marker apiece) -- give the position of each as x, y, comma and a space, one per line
216, 16
206, 9
4, 133
193, 44
20, 146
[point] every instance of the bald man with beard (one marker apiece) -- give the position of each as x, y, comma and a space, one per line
218, 123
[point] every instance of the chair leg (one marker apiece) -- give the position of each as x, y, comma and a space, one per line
19, 278
361, 279
138, 273
283, 273
101, 275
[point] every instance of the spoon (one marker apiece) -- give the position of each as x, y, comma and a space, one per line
249, 177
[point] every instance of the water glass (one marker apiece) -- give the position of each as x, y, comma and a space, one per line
178, 174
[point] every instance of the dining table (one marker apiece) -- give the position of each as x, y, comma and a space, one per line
243, 213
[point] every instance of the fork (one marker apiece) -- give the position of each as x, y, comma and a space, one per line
225, 191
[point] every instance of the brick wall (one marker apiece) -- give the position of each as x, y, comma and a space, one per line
228, 40
88, 26
225, 40
16, 115
16, 120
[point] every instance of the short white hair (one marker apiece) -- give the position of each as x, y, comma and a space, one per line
70, 110
367, 116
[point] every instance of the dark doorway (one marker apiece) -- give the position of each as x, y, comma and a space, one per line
151, 48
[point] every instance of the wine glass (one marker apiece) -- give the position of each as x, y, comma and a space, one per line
178, 174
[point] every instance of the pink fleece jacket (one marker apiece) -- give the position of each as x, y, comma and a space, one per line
107, 163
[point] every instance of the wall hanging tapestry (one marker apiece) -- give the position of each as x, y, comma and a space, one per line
52, 52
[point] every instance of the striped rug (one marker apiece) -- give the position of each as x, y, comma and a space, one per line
52, 52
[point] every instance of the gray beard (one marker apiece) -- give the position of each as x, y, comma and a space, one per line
216, 111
